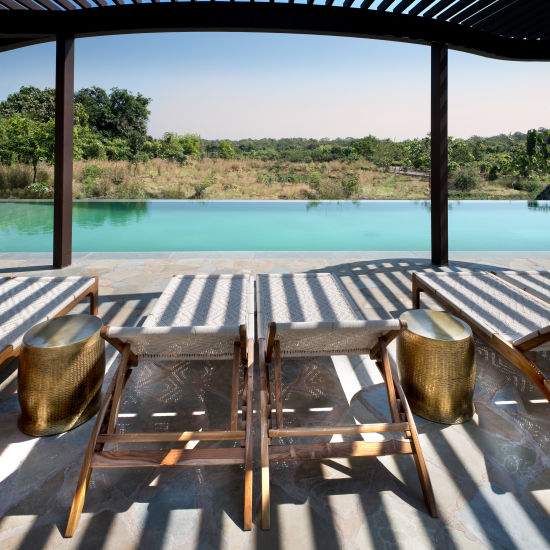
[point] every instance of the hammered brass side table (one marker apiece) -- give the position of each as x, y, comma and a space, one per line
61, 369
436, 362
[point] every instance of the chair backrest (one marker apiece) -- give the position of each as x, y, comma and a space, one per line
332, 338
199, 342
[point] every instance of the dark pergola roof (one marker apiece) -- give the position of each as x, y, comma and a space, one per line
506, 29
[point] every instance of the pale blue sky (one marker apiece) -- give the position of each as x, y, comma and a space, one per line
238, 85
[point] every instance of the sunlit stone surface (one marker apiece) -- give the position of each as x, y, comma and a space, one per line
491, 476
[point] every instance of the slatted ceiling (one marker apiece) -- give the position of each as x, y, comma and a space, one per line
472, 10
516, 20
534, 29
536, 33
504, 17
525, 20
65, 4
491, 9
453, 10
31, 5
421, 6
384, 4
367, 4
514, 16
437, 7
402, 6
12, 5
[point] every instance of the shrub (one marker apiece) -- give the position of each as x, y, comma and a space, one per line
91, 171
466, 179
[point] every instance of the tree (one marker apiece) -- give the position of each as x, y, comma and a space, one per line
119, 114
27, 141
179, 148
30, 102
225, 150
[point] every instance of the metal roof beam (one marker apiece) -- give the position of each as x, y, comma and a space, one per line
384, 4
482, 15
454, 9
523, 24
402, 6
515, 16
421, 6
436, 8
468, 12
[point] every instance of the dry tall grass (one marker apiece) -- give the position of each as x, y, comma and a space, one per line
209, 178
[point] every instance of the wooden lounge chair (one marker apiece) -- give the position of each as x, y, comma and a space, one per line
501, 309
303, 315
203, 317
26, 301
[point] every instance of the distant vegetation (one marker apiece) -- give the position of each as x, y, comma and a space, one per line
115, 158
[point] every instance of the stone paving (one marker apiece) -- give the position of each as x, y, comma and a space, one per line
491, 476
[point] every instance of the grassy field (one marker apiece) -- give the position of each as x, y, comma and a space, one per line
210, 178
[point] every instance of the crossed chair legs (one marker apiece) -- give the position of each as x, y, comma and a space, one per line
402, 421
104, 433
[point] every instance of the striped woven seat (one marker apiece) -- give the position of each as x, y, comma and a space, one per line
196, 317
305, 315
27, 301
509, 310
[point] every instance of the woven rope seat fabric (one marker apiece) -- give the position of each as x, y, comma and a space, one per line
27, 301
198, 317
309, 315
506, 309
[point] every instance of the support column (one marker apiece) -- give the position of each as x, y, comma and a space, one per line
439, 192
63, 169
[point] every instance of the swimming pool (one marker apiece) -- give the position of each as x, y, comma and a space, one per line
127, 226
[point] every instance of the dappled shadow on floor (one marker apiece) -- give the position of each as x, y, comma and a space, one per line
489, 475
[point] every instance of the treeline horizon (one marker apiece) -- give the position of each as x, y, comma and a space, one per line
112, 125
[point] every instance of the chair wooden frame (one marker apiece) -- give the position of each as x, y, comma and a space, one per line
513, 352
104, 431
92, 291
269, 351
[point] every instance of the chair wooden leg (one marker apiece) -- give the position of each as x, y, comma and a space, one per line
264, 436
120, 381
248, 465
418, 456
235, 386
94, 297
415, 292
86, 470
278, 383
390, 389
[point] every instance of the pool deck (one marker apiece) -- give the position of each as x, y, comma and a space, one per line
491, 476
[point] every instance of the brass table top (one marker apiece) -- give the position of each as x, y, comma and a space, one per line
436, 325
62, 331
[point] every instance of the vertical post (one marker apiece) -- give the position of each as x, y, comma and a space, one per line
439, 193
63, 169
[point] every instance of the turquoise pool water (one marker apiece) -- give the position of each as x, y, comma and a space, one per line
119, 226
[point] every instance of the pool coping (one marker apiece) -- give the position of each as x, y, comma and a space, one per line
247, 254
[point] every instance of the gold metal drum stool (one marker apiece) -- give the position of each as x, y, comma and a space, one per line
61, 369
436, 361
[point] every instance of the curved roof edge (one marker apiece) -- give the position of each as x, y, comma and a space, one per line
26, 27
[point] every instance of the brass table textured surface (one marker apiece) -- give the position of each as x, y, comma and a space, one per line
435, 356
60, 375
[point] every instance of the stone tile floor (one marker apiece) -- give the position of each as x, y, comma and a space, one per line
491, 476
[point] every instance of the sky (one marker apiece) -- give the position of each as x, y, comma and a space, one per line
252, 85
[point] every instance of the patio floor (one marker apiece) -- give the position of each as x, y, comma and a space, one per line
491, 476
